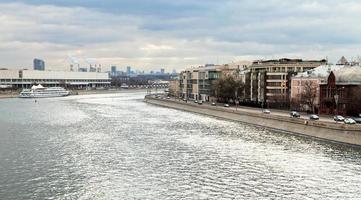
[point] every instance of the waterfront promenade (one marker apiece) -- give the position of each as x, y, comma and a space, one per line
323, 129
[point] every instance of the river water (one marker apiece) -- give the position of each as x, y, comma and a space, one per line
115, 146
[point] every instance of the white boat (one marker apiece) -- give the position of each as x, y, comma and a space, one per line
41, 92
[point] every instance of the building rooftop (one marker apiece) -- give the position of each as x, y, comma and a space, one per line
212, 67
287, 61
348, 75
342, 61
320, 72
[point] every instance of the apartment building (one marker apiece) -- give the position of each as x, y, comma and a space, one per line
174, 87
185, 84
197, 83
269, 80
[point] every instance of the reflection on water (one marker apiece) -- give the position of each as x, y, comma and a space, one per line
117, 147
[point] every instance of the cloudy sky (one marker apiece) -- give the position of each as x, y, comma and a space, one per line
153, 34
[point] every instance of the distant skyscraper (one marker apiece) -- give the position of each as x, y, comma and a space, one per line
114, 70
39, 64
83, 69
129, 70
92, 69
162, 71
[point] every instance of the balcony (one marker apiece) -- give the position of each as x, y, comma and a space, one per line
276, 94
275, 87
276, 80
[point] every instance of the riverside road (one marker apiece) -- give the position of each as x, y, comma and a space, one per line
284, 113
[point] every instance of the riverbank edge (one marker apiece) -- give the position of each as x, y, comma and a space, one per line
331, 132
79, 92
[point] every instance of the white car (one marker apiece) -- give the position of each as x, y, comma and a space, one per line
266, 111
314, 117
349, 121
338, 118
226, 105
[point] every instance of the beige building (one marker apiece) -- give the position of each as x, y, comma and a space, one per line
197, 83
185, 84
269, 80
174, 89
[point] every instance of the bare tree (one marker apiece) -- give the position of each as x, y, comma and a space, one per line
309, 95
228, 87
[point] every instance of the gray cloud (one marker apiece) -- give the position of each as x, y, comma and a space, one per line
177, 34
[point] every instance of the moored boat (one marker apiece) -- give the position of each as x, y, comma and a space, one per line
38, 91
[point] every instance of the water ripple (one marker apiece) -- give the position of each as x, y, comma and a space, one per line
118, 147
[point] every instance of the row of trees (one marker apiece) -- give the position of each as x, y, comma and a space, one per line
306, 100
228, 88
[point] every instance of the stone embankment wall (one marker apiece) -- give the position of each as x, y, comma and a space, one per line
341, 133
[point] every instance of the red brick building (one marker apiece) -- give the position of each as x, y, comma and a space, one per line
341, 94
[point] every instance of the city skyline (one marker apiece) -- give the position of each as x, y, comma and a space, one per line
175, 35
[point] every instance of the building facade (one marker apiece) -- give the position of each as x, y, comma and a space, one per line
113, 71
38, 64
269, 80
198, 83
74, 80
174, 87
341, 94
305, 87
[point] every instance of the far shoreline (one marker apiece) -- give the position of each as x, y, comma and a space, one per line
80, 92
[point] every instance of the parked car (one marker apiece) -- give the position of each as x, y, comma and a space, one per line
338, 118
357, 119
200, 102
349, 121
214, 104
295, 114
266, 111
195, 101
184, 99
168, 97
314, 117
226, 105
